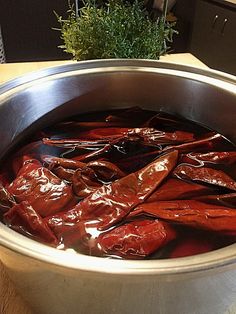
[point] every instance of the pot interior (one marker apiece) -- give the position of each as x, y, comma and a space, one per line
29, 104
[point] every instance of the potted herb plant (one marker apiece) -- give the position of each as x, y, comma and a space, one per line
115, 29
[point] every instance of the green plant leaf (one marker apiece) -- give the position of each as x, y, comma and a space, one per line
117, 29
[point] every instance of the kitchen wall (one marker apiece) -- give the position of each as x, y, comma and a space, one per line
27, 29
28, 35
184, 12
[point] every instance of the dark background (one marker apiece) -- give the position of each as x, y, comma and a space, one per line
27, 29
28, 35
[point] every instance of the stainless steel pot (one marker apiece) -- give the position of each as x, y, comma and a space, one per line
57, 282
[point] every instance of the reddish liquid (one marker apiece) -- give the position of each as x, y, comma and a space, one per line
67, 203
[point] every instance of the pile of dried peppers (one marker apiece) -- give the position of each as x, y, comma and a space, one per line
128, 184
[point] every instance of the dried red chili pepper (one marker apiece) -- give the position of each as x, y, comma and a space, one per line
99, 137
53, 161
146, 136
41, 188
98, 148
77, 172
23, 218
18, 162
75, 143
191, 246
88, 179
104, 134
33, 150
151, 136
174, 189
28, 165
191, 213
227, 158
219, 199
6, 199
208, 142
110, 203
64, 173
85, 182
205, 175
80, 236
116, 144
64, 168
78, 125
105, 170
136, 239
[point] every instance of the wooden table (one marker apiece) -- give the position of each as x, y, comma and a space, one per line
10, 301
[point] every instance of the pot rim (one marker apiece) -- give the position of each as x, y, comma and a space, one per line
124, 65
16, 242
21, 244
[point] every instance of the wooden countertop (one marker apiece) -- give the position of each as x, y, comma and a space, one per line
227, 3
10, 301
